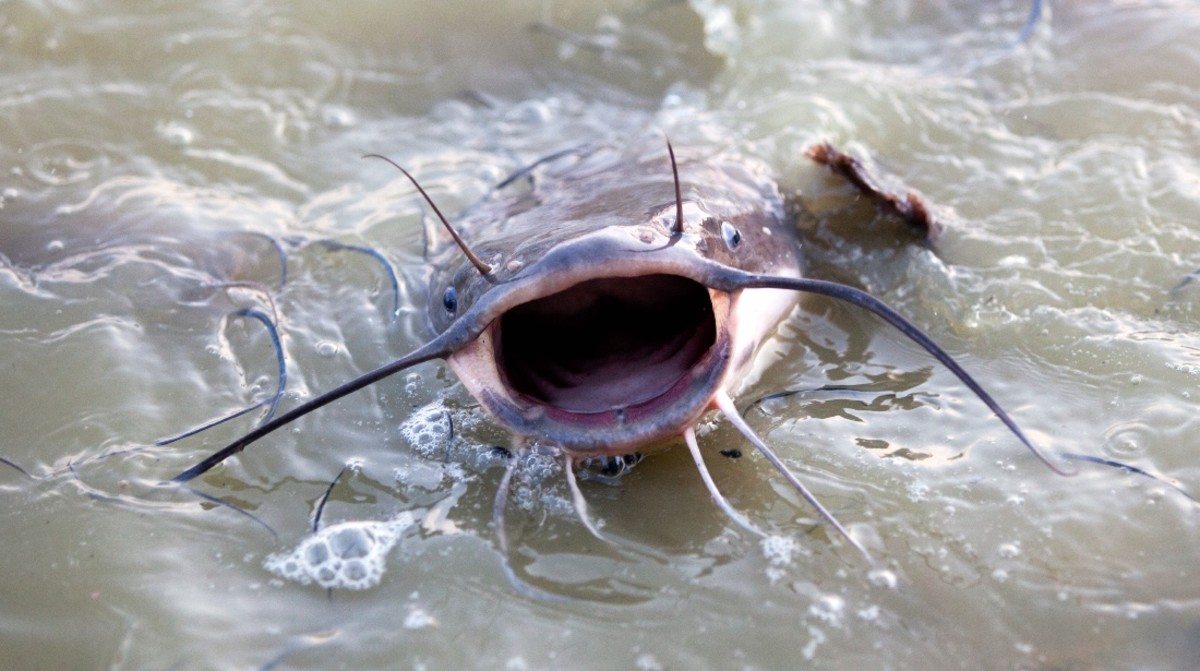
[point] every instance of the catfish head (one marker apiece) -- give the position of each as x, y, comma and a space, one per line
597, 328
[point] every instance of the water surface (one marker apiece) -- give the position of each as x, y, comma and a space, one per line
151, 156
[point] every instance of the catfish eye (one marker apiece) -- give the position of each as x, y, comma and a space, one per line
450, 300
732, 236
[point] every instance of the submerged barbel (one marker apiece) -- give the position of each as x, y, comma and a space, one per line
616, 301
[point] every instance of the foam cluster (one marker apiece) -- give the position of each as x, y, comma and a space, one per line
348, 555
428, 430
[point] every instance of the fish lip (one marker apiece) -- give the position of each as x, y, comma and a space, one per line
604, 432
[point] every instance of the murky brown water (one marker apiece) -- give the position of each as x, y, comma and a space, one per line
149, 151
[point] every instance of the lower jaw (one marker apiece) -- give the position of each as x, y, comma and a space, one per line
609, 433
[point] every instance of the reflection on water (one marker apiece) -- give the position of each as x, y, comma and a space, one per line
168, 166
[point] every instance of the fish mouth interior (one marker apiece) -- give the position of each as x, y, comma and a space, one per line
607, 343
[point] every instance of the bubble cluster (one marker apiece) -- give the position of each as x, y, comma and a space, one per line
779, 550
349, 555
828, 608
529, 493
428, 429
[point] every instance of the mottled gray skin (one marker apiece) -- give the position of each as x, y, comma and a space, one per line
610, 214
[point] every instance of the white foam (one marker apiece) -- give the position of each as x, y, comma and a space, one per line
348, 555
779, 550
428, 429
1009, 550
828, 608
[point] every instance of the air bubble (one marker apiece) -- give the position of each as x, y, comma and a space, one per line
176, 134
883, 578
355, 571
411, 382
316, 554
327, 348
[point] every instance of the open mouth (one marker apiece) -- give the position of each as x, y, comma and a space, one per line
606, 344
